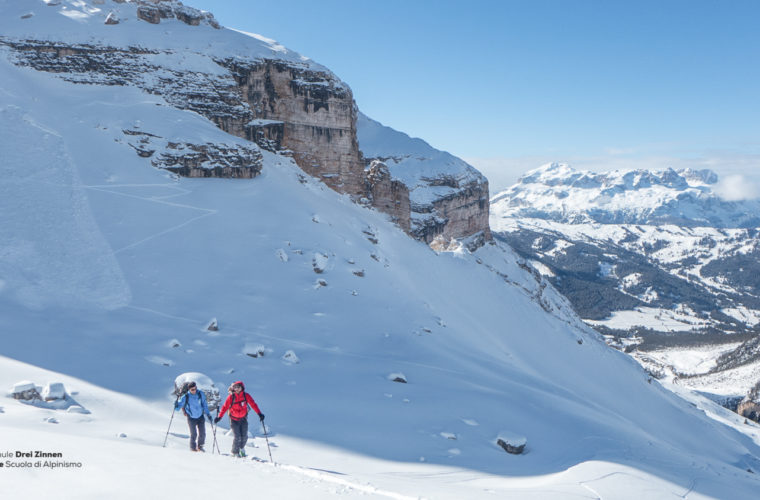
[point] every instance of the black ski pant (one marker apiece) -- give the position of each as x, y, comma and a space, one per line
240, 433
197, 430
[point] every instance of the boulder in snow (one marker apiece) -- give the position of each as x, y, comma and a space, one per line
511, 443
53, 391
290, 358
25, 390
212, 326
319, 262
204, 383
254, 350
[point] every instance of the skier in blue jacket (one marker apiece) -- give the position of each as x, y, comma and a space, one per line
194, 407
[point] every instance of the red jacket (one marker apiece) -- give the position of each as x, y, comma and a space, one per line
238, 403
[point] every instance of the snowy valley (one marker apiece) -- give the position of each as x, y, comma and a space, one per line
134, 213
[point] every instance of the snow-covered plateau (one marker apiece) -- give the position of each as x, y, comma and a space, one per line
384, 369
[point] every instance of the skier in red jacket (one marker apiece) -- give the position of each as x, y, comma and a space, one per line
237, 403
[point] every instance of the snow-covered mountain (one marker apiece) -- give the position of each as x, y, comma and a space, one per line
684, 198
249, 86
112, 266
657, 255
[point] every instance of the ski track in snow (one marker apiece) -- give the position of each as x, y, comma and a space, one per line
160, 200
327, 477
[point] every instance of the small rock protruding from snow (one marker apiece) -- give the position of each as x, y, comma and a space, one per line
320, 283
397, 377
358, 272
25, 390
204, 383
449, 435
121, 435
112, 19
173, 343
51, 420
371, 234
53, 391
319, 262
290, 358
254, 350
511, 443
282, 255
158, 360
213, 325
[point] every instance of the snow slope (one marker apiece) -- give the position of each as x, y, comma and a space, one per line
107, 263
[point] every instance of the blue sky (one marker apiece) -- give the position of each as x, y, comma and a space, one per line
510, 85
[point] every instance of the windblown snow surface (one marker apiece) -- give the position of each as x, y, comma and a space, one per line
110, 271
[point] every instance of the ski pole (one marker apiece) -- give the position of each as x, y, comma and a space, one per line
174, 408
213, 427
267, 438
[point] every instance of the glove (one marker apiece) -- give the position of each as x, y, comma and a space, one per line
216, 420
176, 405
261, 417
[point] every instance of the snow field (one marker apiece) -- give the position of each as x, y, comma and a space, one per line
148, 258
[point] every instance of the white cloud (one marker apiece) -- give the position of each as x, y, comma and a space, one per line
737, 187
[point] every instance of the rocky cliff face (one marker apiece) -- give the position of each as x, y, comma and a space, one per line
388, 195
253, 88
309, 112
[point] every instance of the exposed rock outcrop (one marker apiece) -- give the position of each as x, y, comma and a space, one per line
749, 409
197, 160
153, 11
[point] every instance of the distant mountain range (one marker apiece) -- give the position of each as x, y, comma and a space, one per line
655, 255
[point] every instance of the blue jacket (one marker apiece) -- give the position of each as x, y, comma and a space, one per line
194, 405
